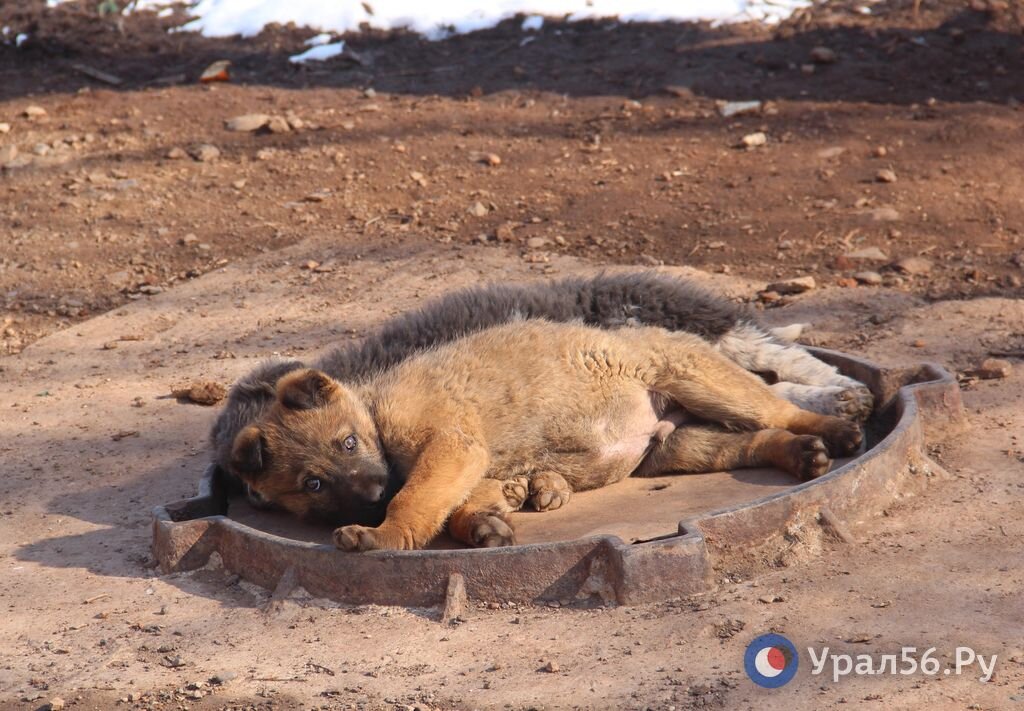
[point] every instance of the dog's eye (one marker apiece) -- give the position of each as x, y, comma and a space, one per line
349, 443
312, 483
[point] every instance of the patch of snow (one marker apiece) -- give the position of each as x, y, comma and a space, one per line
440, 19
319, 39
533, 23
318, 53
165, 12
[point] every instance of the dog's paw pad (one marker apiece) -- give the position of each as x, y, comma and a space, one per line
516, 492
809, 457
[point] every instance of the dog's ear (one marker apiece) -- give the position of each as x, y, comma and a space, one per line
249, 453
305, 389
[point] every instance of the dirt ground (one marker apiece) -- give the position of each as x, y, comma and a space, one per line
126, 271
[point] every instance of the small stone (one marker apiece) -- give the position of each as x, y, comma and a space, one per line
797, 285
536, 242
204, 152
769, 599
247, 122
202, 393
868, 254
478, 209
34, 113
831, 152
309, 264
8, 154
769, 297
884, 214
919, 343
369, 92
265, 154
491, 159
278, 124
189, 239
42, 149
5, 127
823, 55
728, 109
551, 668
222, 678
238, 184
993, 369
913, 265
753, 140
150, 289
885, 175
55, 704
880, 152
175, 154
869, 278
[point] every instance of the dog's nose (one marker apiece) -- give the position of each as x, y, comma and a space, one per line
374, 493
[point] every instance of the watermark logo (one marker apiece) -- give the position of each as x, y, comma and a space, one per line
771, 661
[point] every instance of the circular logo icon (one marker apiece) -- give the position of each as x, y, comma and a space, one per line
771, 661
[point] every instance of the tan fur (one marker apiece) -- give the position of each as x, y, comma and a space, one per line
545, 409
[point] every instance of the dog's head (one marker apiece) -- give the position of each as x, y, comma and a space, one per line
316, 453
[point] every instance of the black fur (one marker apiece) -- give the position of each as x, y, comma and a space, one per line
608, 300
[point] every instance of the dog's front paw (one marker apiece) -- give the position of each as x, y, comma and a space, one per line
355, 538
491, 530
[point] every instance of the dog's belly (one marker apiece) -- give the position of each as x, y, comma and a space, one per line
627, 435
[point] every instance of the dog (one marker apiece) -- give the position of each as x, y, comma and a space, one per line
609, 301
533, 411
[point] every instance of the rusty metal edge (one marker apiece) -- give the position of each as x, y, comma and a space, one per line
601, 569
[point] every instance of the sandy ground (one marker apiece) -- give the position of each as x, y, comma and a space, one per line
91, 443
131, 263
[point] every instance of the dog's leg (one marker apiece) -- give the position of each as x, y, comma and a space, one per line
695, 448
755, 350
714, 388
481, 521
443, 477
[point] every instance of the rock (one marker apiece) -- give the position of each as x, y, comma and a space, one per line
222, 678
189, 239
8, 154
831, 152
880, 152
753, 140
247, 122
867, 254
201, 393
823, 55
204, 152
278, 124
551, 668
536, 242
913, 265
793, 286
5, 127
869, 278
55, 704
884, 214
769, 297
34, 113
992, 369
478, 209
729, 109
175, 154
885, 175
491, 159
